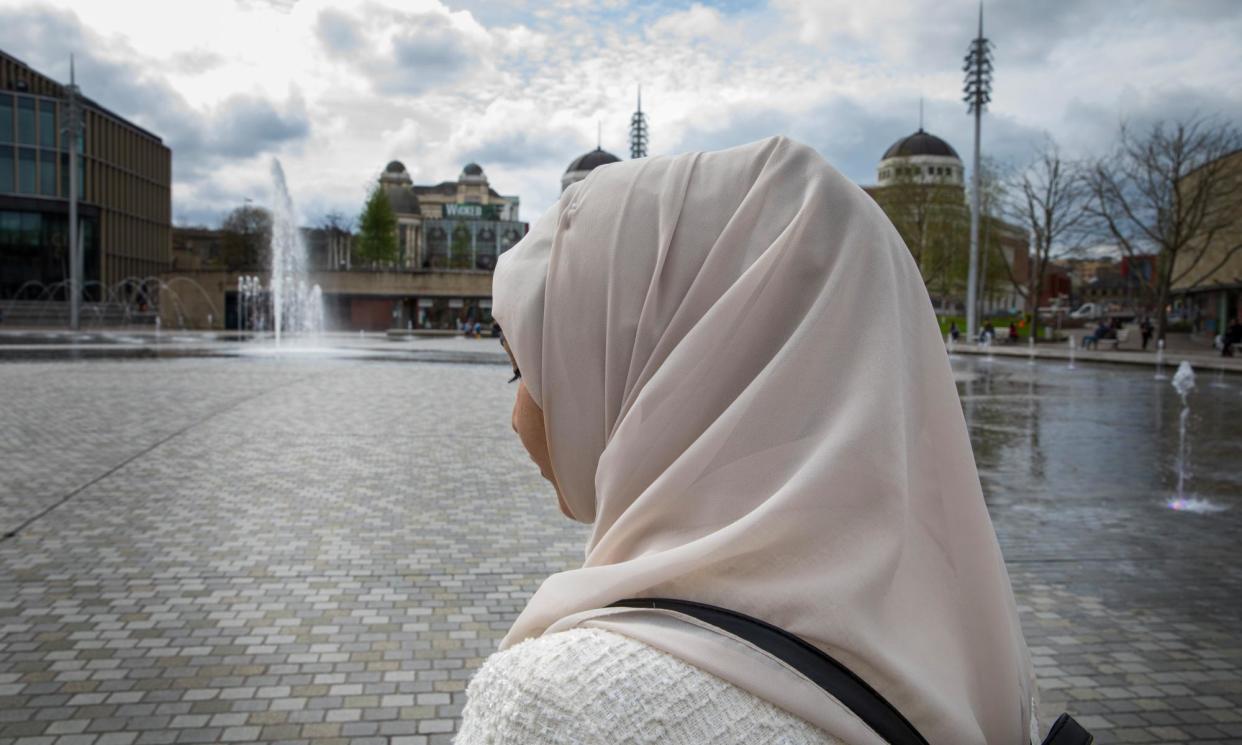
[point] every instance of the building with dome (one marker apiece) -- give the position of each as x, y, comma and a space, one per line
921, 186
584, 164
449, 236
922, 158
459, 225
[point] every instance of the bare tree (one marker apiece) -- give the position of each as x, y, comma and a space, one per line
333, 241
931, 215
1168, 191
247, 237
1050, 200
336, 223
993, 193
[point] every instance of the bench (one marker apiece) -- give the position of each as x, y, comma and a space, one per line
1116, 338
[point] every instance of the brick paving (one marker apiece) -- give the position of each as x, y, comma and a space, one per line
318, 550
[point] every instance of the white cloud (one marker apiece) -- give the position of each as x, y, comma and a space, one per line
337, 88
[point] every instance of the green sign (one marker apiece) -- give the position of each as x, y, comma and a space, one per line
473, 211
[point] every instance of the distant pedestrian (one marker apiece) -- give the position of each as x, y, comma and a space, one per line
1232, 337
1013, 333
954, 332
1146, 329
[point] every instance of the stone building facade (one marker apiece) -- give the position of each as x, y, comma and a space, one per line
921, 186
449, 236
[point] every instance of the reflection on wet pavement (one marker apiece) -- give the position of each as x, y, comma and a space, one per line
1132, 609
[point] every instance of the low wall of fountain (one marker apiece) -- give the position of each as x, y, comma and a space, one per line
207, 309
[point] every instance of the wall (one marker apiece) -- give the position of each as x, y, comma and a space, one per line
184, 304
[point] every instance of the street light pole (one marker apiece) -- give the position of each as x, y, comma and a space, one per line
978, 92
73, 129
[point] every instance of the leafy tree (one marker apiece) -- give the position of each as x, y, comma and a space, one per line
247, 238
377, 229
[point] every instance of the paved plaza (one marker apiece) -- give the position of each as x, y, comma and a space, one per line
303, 549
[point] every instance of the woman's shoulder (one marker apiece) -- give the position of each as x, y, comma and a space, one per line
588, 685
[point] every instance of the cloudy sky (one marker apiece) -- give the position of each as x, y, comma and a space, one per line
337, 88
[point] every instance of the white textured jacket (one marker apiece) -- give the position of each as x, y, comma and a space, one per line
588, 686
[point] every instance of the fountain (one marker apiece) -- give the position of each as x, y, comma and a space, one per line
1030, 346
250, 304
295, 306
987, 344
948, 341
1160, 360
288, 303
1073, 350
1219, 380
1183, 383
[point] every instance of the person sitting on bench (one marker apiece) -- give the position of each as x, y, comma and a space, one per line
1093, 340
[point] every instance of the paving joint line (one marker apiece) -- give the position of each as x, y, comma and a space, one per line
40, 515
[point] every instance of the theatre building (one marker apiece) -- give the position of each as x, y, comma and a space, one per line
124, 192
449, 236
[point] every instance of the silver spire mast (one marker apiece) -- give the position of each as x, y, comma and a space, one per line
638, 129
978, 92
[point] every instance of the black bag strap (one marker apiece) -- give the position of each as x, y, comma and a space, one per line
833, 677
1065, 731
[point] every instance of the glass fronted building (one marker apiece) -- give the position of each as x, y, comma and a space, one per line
124, 188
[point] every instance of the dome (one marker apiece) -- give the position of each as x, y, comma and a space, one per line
395, 175
473, 169
592, 160
403, 200
920, 143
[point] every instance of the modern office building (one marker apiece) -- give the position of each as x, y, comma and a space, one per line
124, 188
1207, 274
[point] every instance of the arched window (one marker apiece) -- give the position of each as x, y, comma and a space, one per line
437, 249
508, 238
459, 257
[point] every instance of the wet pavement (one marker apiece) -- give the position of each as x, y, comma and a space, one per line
1132, 610
314, 548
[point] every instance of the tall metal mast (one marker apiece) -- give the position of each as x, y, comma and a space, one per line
638, 130
978, 93
72, 128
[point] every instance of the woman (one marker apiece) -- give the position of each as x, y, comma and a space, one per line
709, 379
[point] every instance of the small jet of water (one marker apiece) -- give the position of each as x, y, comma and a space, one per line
1183, 383
1184, 380
1195, 505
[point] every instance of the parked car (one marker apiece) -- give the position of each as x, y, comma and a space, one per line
1088, 310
